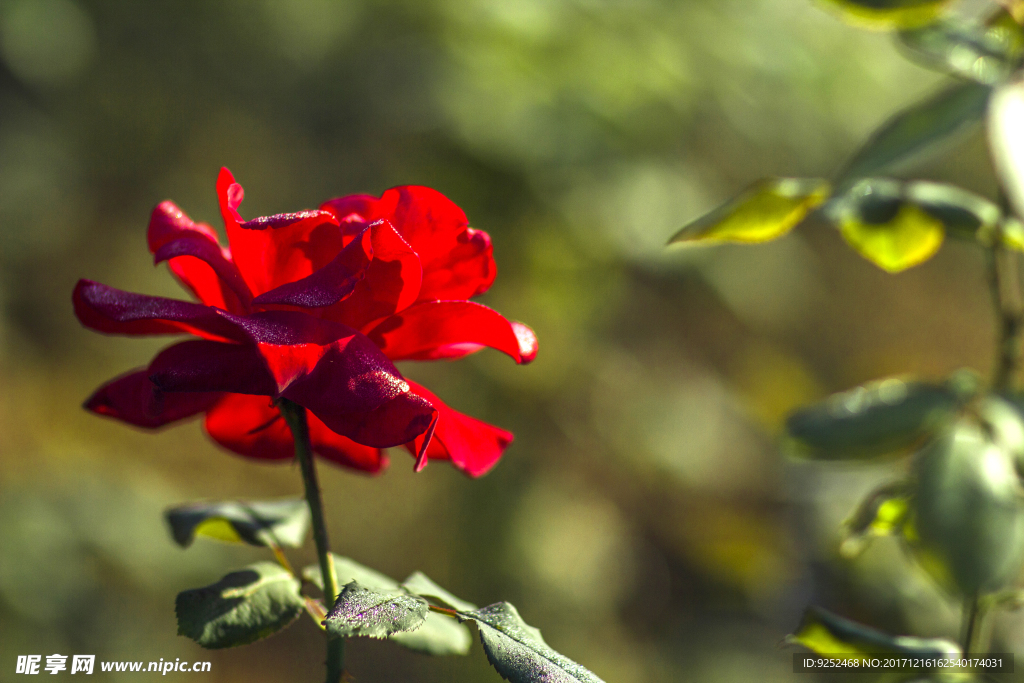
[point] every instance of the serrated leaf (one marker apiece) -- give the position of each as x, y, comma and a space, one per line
518, 652
825, 633
439, 635
887, 14
420, 584
766, 210
880, 418
376, 613
986, 53
260, 523
882, 513
881, 226
968, 512
1006, 140
917, 131
241, 608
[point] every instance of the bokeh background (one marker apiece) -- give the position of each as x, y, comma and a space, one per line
645, 518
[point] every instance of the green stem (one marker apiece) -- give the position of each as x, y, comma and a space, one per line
970, 623
295, 416
1006, 302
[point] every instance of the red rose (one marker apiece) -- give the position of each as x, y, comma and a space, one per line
314, 307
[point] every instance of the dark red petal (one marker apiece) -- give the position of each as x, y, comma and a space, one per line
323, 365
391, 283
169, 223
342, 450
398, 421
449, 329
203, 365
132, 398
250, 426
310, 218
472, 445
115, 311
200, 247
330, 284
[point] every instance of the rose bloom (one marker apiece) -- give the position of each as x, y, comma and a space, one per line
313, 307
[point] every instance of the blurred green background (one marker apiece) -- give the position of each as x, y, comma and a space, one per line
644, 519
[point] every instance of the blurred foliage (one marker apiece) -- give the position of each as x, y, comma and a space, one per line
643, 517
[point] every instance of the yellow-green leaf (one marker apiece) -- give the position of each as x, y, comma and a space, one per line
882, 513
826, 633
887, 14
262, 523
878, 221
766, 210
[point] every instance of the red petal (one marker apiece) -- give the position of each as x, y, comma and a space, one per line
398, 421
344, 451
250, 426
132, 398
355, 208
330, 284
210, 253
303, 242
466, 270
391, 283
450, 329
457, 261
473, 446
115, 311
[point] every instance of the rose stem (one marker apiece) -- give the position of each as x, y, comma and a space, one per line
295, 416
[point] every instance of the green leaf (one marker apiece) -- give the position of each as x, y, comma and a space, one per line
1006, 140
242, 607
376, 613
887, 14
962, 213
518, 651
825, 633
420, 584
917, 132
882, 513
988, 54
439, 635
261, 523
349, 570
766, 210
968, 512
880, 418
